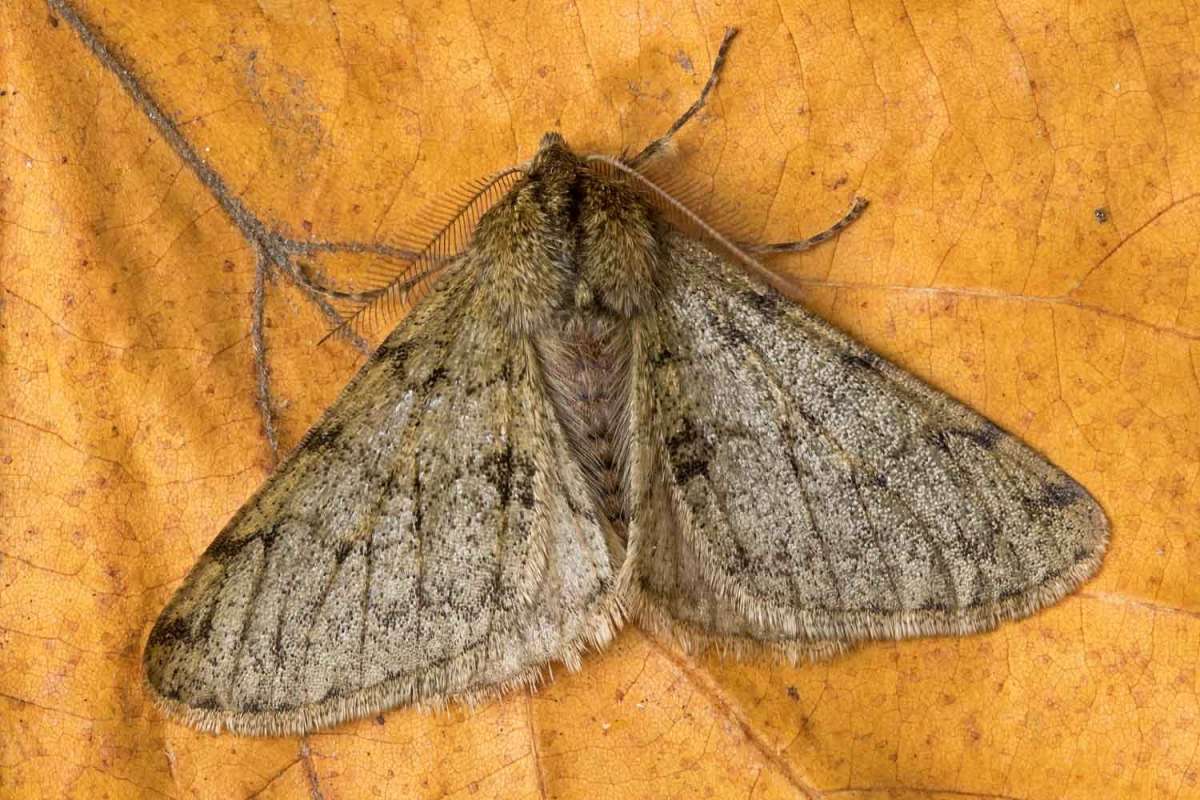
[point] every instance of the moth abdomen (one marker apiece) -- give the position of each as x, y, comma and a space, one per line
586, 366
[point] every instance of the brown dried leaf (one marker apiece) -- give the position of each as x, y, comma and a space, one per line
988, 137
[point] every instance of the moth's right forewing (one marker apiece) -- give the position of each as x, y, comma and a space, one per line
430, 538
799, 488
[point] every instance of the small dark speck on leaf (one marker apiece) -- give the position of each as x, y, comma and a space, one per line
681, 58
1101, 215
793, 693
53, 20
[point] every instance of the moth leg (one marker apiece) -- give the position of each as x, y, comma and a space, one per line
800, 245
657, 146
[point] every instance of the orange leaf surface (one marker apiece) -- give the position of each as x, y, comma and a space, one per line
1031, 248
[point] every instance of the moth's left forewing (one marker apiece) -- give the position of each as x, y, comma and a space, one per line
430, 539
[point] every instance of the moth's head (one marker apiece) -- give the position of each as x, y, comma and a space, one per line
554, 160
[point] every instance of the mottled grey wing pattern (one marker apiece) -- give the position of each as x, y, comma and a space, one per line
792, 487
326, 598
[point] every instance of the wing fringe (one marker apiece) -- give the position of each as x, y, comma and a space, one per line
598, 629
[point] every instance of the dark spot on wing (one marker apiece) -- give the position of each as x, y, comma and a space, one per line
396, 355
525, 492
986, 436
662, 356
502, 376
498, 468
727, 328
416, 499
867, 361
522, 481
323, 436
177, 630
436, 376
225, 547
739, 560
732, 333
689, 453
939, 438
766, 303
1061, 495
270, 533
185, 630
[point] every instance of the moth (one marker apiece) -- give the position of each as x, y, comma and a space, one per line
599, 410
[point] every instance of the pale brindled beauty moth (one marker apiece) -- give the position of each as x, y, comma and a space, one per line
600, 411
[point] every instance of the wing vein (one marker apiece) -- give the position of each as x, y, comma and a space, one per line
505, 474
239, 651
